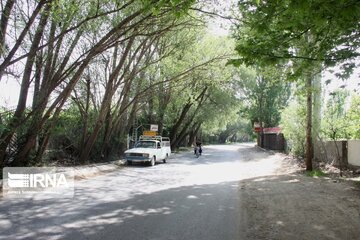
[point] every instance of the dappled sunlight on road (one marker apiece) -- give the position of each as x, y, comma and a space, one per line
213, 167
123, 197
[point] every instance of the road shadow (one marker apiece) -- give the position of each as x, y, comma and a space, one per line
289, 206
180, 213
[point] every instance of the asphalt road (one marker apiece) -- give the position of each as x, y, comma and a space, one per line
186, 198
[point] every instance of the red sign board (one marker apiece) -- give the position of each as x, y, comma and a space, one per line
272, 130
268, 130
257, 129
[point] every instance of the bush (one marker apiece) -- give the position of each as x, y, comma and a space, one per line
340, 121
293, 119
316, 173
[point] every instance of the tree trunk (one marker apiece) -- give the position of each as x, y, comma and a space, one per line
309, 142
85, 116
181, 118
4, 23
85, 152
150, 101
184, 132
21, 37
123, 101
42, 147
316, 111
106, 104
262, 135
63, 96
193, 134
178, 123
182, 135
21, 106
105, 149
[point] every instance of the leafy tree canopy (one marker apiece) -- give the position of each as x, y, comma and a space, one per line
264, 93
306, 32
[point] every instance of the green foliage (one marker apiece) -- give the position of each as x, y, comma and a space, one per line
334, 126
64, 10
341, 121
219, 112
219, 104
67, 132
265, 94
315, 173
152, 42
238, 129
178, 7
353, 117
292, 123
305, 31
4, 118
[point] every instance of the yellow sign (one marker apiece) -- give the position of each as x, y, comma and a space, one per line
149, 133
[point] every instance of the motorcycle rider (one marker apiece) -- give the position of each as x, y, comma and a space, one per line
198, 145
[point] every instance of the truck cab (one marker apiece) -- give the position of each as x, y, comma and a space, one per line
149, 149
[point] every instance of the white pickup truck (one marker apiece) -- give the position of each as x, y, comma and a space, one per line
149, 149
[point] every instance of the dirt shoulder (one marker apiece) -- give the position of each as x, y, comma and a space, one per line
291, 205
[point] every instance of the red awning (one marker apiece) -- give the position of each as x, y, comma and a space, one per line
272, 130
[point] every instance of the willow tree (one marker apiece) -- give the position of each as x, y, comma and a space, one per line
198, 95
50, 45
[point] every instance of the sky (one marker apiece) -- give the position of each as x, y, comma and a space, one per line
9, 92
352, 83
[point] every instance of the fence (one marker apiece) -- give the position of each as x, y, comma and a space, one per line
339, 153
273, 139
354, 153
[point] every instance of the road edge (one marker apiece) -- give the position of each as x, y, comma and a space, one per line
91, 170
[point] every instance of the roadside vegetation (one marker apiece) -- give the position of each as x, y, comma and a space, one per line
92, 73
316, 173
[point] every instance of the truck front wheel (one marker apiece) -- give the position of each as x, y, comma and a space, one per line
153, 161
165, 159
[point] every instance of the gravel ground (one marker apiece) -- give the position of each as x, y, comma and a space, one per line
290, 205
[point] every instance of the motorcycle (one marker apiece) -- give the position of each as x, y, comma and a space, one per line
197, 151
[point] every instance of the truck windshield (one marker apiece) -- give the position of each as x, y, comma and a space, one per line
146, 144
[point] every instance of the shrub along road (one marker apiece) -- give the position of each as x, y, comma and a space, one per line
230, 192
